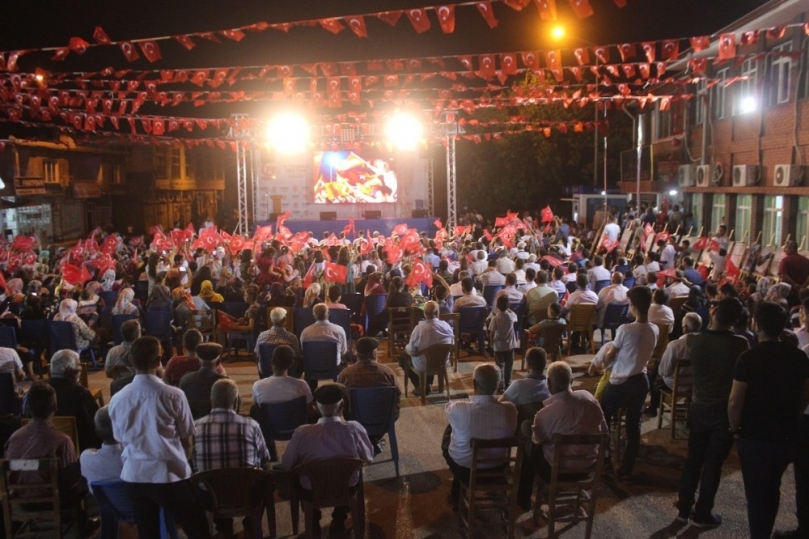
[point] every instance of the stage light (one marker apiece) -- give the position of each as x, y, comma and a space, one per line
39, 77
748, 104
334, 159
673, 193
558, 32
288, 133
403, 131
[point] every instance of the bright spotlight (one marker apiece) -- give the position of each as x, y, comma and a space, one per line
288, 133
603, 193
403, 131
558, 32
39, 77
748, 104
673, 193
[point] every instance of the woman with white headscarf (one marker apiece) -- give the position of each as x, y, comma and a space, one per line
124, 303
67, 313
108, 280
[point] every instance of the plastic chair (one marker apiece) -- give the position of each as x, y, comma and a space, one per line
116, 507
376, 319
85, 382
330, 481
9, 402
354, 303
31, 336
203, 321
493, 487
303, 318
489, 293
552, 337
8, 337
629, 282
280, 419
436, 356
575, 475
111, 297
471, 321
375, 409
614, 316
158, 325
398, 330
320, 360
265, 352
239, 492
453, 319
601, 284
117, 320
519, 310
61, 337
581, 320
678, 398
342, 317
38, 475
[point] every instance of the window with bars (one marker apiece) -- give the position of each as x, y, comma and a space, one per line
773, 217
721, 95
746, 86
699, 102
780, 75
802, 230
718, 211
744, 214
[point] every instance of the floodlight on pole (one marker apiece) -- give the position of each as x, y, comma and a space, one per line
748, 104
404, 131
288, 133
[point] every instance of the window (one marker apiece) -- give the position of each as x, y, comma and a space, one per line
111, 174
721, 96
175, 163
662, 121
744, 213
700, 102
718, 211
746, 86
773, 215
780, 75
696, 209
803, 219
186, 166
50, 171
161, 164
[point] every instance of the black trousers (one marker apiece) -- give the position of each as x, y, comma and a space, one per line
802, 476
179, 498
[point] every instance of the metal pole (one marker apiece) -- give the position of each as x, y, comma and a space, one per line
452, 209
430, 187
595, 137
606, 205
640, 154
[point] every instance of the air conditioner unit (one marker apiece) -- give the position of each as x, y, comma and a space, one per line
685, 176
744, 175
787, 175
703, 175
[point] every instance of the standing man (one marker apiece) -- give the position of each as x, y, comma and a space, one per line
153, 423
612, 230
770, 392
713, 355
793, 270
428, 332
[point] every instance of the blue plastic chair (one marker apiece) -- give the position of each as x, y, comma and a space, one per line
61, 337
265, 352
116, 322
353, 300
471, 321
375, 409
116, 506
9, 403
320, 360
158, 325
376, 317
519, 310
111, 297
303, 318
600, 285
342, 317
489, 293
280, 419
614, 316
629, 282
8, 337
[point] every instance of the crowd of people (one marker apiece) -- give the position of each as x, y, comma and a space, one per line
744, 337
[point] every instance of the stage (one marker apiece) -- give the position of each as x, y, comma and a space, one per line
383, 226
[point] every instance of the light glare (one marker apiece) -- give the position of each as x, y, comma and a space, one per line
749, 104
288, 133
403, 131
558, 32
673, 192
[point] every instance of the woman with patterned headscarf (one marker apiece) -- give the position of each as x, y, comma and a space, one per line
108, 280
81, 332
124, 303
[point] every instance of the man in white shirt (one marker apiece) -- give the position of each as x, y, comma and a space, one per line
631, 351
428, 332
280, 387
662, 374
582, 295
652, 262
431, 258
456, 289
480, 417
615, 293
557, 284
659, 312
677, 287
572, 272
492, 277
611, 229
668, 253
504, 264
153, 422
10, 362
479, 265
514, 294
538, 298
103, 464
470, 296
324, 331
532, 263
598, 273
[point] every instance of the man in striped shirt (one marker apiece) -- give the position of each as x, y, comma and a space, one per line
224, 439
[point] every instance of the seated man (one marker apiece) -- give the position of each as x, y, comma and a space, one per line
662, 374
179, 366
278, 334
224, 439
103, 464
677, 287
470, 296
615, 293
659, 311
428, 332
119, 362
582, 295
564, 412
329, 438
538, 298
510, 290
492, 277
531, 391
367, 372
554, 319
197, 385
324, 331
72, 398
480, 417
39, 439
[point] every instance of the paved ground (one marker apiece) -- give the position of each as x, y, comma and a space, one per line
414, 505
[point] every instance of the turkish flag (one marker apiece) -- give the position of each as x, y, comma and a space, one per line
73, 275
390, 17
150, 50
199, 77
129, 51
446, 18
547, 214
366, 246
235, 34
332, 25
393, 254
101, 36
700, 43
670, 50
400, 229
23, 243
530, 59
357, 25
581, 8
582, 56
508, 63
78, 45
700, 244
627, 50
727, 46
335, 273
547, 9
59, 55
185, 41
485, 9
553, 60
731, 269
602, 53
418, 18
486, 65
158, 127
419, 272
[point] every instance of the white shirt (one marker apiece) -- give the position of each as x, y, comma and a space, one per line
469, 300
568, 412
598, 273
635, 343
520, 276
501, 327
558, 287
480, 417
478, 267
456, 289
678, 289
492, 278
581, 297
325, 331
614, 293
612, 231
803, 337
280, 389
513, 293
103, 464
661, 314
505, 265
652, 266
10, 362
527, 390
667, 256
676, 350
426, 334
150, 418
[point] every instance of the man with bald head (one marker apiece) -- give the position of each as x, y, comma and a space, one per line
428, 332
324, 331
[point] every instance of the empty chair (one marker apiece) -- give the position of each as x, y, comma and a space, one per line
110, 297
678, 398
353, 301
303, 319
116, 506
320, 360
614, 316
61, 337
376, 319
398, 330
375, 409
239, 492
158, 325
489, 293
436, 356
471, 322
116, 321
30, 336
342, 318
601, 284
265, 352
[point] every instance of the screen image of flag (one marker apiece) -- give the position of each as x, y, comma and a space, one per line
345, 177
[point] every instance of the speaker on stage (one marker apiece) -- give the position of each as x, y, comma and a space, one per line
328, 215
419, 213
372, 214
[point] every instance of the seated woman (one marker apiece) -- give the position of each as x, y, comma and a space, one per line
83, 335
208, 295
160, 300
374, 284
15, 299
280, 297
90, 304
397, 297
311, 296
124, 305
